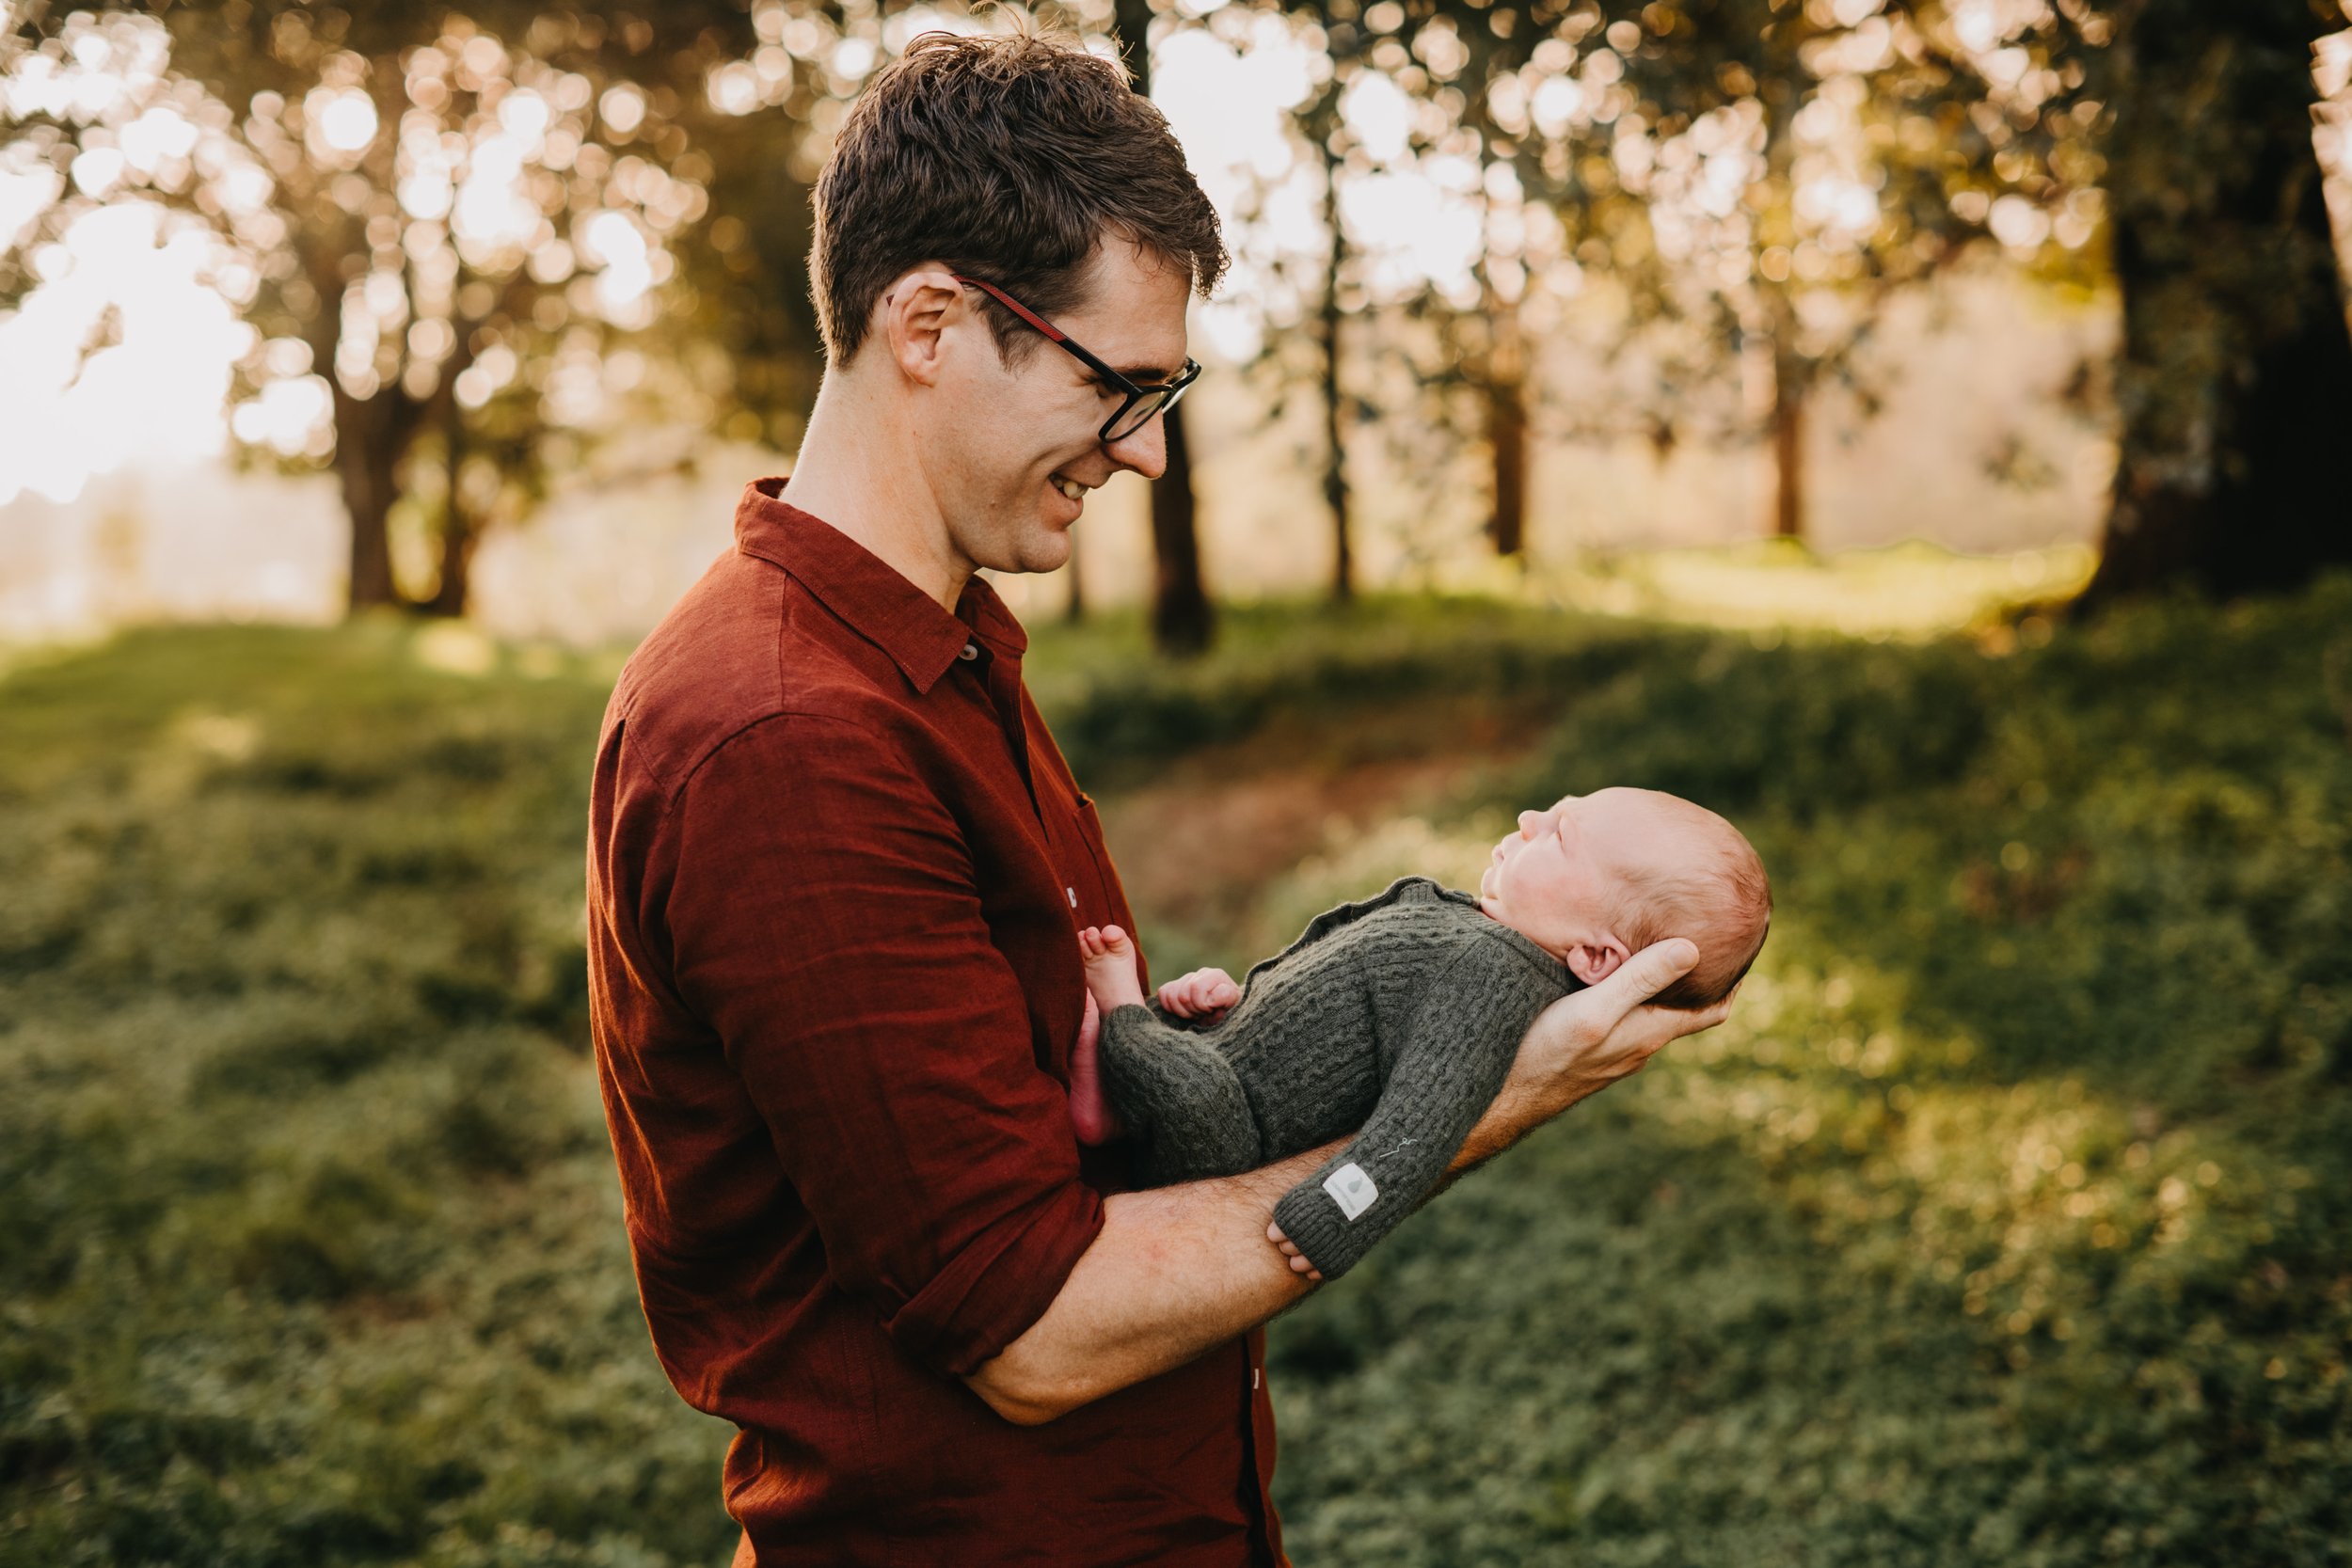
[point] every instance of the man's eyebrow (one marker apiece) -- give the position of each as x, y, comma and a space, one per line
1146, 374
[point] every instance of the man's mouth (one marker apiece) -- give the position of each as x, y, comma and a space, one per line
1067, 486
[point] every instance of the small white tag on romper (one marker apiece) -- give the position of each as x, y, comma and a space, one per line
1351, 1189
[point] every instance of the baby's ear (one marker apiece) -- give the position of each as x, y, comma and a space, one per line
1595, 961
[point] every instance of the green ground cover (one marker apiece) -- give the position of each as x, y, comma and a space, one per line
2007, 1224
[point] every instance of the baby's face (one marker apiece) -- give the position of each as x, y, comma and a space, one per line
1561, 878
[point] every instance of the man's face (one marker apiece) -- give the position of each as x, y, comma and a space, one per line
1011, 449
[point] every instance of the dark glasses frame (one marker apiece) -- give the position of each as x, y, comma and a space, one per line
1142, 402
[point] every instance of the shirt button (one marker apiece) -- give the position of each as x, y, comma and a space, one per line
971, 650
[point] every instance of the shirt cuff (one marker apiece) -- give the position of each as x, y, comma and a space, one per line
1001, 1281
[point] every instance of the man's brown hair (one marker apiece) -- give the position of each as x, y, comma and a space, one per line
1007, 157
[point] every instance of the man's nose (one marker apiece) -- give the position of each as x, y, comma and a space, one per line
1527, 823
1145, 449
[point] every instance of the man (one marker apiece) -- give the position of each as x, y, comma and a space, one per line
836, 866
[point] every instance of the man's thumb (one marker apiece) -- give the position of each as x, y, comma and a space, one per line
1654, 968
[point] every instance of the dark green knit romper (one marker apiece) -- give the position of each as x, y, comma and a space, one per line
1398, 1016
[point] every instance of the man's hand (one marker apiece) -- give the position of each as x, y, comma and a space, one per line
1578, 1045
1202, 993
1586, 1041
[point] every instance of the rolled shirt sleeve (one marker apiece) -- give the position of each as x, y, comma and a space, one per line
828, 924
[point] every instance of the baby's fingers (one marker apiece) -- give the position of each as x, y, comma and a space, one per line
1210, 991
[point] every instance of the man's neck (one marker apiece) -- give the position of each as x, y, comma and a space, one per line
855, 471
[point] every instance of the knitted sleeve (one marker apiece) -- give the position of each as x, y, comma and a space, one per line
1457, 1052
1179, 1099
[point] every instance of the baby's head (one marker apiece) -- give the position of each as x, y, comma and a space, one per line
1595, 879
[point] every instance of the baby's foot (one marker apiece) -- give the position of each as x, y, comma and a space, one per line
1300, 1262
1110, 966
1090, 1115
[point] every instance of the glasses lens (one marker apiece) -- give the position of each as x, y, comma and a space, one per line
1156, 400
1138, 413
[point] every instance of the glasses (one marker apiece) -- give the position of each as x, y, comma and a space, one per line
1142, 402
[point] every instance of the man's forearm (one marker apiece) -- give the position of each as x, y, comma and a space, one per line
1180, 1269
1176, 1271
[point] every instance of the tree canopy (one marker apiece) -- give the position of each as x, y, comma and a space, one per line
469, 244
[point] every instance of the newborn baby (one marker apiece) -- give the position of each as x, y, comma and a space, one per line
1398, 1018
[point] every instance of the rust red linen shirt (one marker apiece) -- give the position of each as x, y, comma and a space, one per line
835, 869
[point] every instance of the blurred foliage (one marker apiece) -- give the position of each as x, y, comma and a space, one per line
2006, 1224
471, 244
441, 229
313, 1247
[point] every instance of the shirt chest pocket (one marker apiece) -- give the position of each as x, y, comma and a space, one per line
1074, 832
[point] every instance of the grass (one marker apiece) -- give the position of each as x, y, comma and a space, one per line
313, 1247
2007, 1221
2007, 1224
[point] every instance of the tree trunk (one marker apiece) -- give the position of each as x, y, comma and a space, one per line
1335, 495
2235, 375
1506, 432
1790, 386
1787, 448
1074, 611
1182, 621
1506, 436
449, 598
459, 531
366, 458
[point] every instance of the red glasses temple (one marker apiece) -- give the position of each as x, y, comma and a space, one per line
1016, 307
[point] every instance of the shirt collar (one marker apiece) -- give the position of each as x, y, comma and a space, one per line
868, 595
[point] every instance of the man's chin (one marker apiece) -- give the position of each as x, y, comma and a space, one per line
1040, 548
1048, 549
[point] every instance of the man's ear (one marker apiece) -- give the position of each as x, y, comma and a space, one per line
915, 313
1595, 961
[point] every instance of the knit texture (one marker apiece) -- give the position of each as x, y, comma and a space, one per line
1395, 1019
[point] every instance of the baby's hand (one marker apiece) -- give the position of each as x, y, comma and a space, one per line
1202, 993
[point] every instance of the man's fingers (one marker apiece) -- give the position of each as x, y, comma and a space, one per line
1613, 1009
1646, 1031
1651, 970
1711, 1017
